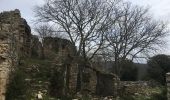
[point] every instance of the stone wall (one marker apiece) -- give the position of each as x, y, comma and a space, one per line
14, 43
36, 47
73, 77
54, 47
5, 65
17, 31
89, 80
63, 52
132, 87
105, 84
168, 85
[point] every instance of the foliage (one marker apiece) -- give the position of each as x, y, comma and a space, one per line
159, 65
17, 86
129, 71
56, 83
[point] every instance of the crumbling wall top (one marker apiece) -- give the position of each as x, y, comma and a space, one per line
8, 16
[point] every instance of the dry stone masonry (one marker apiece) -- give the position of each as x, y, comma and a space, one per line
168, 85
14, 42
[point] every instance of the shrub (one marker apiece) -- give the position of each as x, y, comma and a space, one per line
17, 86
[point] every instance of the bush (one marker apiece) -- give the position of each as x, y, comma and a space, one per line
159, 65
129, 71
17, 86
162, 96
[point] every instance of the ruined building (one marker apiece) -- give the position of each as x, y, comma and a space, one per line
14, 42
17, 42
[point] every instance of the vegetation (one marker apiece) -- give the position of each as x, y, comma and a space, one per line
112, 29
159, 65
116, 27
156, 93
31, 76
129, 71
17, 86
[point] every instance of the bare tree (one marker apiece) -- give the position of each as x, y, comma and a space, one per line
134, 34
44, 30
83, 21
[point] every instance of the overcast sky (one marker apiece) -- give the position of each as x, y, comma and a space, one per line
160, 9
25, 7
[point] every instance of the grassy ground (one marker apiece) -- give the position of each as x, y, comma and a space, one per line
155, 93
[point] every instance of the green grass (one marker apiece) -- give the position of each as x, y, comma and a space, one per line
156, 93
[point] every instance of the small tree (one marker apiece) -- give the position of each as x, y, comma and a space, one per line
17, 87
159, 65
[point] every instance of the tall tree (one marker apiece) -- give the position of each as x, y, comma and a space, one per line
83, 21
134, 34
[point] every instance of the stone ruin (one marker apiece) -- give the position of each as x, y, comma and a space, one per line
14, 43
63, 54
168, 85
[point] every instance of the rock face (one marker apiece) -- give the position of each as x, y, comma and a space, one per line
14, 43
